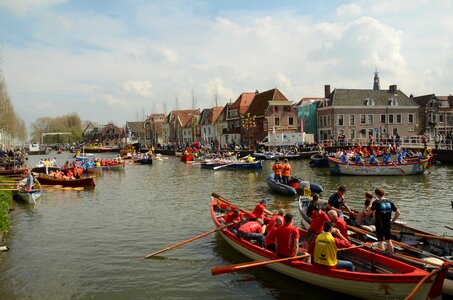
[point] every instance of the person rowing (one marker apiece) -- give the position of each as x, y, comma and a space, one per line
260, 210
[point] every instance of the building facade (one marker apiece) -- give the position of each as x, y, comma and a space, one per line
363, 115
435, 115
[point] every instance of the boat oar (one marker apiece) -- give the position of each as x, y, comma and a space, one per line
189, 240
223, 166
228, 202
443, 268
448, 227
435, 237
402, 171
254, 264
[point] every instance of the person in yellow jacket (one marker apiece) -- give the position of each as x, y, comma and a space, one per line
324, 249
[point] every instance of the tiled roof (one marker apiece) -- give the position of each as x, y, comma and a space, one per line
216, 111
243, 102
356, 97
185, 116
423, 100
261, 101
308, 100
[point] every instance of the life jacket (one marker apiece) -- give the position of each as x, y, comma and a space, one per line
325, 252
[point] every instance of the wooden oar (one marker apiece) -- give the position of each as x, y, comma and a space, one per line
227, 202
448, 227
436, 237
404, 173
254, 264
424, 279
189, 240
223, 166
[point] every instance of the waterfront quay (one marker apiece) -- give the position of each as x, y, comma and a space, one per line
90, 244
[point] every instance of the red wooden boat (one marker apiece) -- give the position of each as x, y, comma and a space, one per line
376, 276
81, 182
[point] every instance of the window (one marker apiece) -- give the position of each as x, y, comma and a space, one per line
392, 102
321, 124
362, 133
368, 102
291, 121
441, 118
352, 134
383, 119
410, 118
390, 119
398, 118
370, 119
277, 121
340, 120
432, 118
287, 108
395, 131
351, 120
275, 108
362, 119
328, 120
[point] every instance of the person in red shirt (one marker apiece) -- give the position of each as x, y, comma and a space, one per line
318, 218
252, 230
260, 210
287, 238
269, 240
278, 215
233, 216
286, 172
339, 223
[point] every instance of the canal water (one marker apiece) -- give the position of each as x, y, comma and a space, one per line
89, 244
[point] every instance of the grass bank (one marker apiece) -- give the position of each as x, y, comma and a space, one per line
6, 201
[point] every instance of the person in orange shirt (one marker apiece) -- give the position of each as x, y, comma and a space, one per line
286, 173
277, 168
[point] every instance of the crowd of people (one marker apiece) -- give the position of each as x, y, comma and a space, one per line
328, 230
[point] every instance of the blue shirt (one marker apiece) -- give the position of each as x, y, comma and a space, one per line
372, 159
386, 158
400, 158
358, 159
343, 158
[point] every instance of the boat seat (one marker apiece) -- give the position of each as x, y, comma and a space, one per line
370, 228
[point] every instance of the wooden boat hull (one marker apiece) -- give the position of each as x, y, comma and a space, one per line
409, 168
42, 170
29, 197
291, 190
82, 182
444, 248
147, 161
364, 285
233, 165
9, 172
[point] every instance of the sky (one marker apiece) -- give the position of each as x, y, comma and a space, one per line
117, 61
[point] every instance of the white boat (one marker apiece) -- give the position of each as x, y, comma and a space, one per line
30, 197
350, 168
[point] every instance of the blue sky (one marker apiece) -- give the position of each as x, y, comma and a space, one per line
120, 60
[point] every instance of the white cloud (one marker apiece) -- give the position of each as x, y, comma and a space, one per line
350, 9
141, 88
22, 7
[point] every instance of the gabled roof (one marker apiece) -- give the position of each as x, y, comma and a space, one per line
216, 111
261, 101
183, 116
423, 100
357, 97
243, 102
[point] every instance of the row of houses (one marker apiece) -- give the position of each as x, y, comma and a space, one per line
342, 114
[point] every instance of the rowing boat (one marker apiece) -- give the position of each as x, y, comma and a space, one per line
30, 197
81, 182
232, 165
421, 248
377, 276
349, 168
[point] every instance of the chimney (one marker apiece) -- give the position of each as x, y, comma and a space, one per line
393, 88
326, 90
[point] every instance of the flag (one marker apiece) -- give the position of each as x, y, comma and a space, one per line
301, 125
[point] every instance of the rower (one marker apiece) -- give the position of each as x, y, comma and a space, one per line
260, 210
252, 231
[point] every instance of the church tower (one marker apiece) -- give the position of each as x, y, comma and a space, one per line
376, 81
